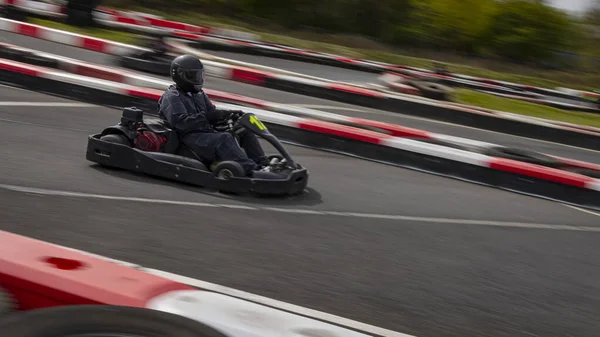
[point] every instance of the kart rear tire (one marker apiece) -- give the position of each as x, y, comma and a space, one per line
226, 170
79, 320
116, 138
526, 156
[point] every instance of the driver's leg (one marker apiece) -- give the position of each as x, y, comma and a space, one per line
249, 142
219, 147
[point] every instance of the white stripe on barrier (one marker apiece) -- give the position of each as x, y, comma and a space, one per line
437, 151
300, 80
146, 82
239, 318
594, 185
306, 112
219, 70
525, 119
59, 36
8, 25
462, 141
95, 83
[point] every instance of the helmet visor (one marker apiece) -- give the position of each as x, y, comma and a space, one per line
194, 77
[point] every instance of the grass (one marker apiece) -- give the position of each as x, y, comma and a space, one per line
461, 95
488, 101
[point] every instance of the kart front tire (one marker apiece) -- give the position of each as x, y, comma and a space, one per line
227, 170
116, 138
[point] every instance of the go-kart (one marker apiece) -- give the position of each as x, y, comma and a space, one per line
152, 147
156, 60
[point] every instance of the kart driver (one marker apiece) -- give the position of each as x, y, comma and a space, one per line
196, 120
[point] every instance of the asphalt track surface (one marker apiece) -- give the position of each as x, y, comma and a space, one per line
414, 252
403, 250
327, 105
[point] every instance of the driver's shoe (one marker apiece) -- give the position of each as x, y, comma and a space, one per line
268, 173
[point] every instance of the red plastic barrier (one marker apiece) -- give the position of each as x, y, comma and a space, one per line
39, 274
343, 131
541, 172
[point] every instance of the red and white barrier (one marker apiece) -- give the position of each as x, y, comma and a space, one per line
68, 38
144, 21
339, 130
41, 275
36, 7
258, 77
239, 318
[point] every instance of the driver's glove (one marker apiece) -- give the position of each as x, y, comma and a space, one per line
221, 127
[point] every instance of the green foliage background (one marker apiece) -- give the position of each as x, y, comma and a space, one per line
517, 30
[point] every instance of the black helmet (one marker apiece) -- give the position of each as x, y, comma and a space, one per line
187, 71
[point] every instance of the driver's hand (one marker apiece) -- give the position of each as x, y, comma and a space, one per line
221, 127
236, 114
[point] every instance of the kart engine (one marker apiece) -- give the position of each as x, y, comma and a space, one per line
150, 141
146, 140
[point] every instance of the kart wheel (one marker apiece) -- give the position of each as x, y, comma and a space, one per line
226, 170
7, 304
103, 320
116, 138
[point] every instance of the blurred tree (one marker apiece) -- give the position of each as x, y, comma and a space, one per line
528, 30
514, 29
456, 24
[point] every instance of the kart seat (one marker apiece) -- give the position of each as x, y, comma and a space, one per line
174, 145
162, 127
158, 126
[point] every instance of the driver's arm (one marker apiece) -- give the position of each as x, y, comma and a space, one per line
213, 114
178, 117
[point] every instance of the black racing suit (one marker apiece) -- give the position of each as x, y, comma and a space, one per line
193, 117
